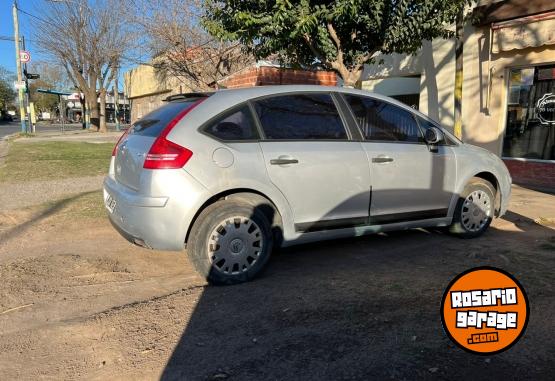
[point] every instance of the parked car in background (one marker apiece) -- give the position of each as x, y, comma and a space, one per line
235, 173
6, 117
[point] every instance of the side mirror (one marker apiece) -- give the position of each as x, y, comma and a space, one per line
433, 136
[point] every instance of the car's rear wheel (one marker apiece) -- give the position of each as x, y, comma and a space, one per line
475, 209
230, 242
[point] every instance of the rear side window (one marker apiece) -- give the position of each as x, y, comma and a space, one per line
300, 117
154, 122
235, 125
383, 121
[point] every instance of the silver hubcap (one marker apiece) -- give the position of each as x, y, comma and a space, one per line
235, 245
476, 210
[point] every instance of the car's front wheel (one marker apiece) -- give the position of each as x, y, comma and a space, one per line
475, 209
230, 242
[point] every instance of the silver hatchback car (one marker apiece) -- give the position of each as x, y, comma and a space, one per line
234, 173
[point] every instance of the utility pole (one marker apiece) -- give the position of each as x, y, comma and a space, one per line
18, 64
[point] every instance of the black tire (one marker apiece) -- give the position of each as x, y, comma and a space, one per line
461, 225
206, 254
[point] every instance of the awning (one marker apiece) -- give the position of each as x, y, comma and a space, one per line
526, 32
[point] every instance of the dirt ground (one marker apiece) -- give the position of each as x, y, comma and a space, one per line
79, 302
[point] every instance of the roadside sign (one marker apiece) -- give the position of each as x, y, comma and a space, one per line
24, 56
19, 85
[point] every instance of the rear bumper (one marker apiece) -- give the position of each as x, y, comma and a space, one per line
153, 222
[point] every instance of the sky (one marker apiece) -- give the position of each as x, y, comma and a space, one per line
26, 23
7, 48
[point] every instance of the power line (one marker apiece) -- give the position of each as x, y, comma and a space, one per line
36, 17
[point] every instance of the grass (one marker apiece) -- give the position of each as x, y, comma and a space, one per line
55, 160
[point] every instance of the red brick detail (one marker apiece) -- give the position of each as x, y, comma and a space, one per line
268, 75
531, 173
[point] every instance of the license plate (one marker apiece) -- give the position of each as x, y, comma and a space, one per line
110, 204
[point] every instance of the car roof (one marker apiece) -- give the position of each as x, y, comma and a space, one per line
221, 100
235, 96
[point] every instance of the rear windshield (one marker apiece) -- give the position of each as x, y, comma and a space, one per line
154, 122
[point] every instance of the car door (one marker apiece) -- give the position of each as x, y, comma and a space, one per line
409, 180
312, 161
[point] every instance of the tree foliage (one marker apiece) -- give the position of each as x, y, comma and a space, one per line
342, 35
52, 77
7, 92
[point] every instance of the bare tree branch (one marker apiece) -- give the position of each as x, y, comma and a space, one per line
181, 48
89, 42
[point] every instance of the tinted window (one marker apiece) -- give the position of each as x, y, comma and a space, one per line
300, 116
153, 123
236, 125
380, 120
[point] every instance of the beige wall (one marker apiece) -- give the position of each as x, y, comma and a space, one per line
483, 123
142, 81
146, 90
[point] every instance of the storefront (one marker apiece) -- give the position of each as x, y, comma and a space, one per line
530, 121
508, 104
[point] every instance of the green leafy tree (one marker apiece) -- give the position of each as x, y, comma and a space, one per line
43, 102
7, 92
342, 35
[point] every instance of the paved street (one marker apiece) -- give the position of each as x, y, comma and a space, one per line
8, 128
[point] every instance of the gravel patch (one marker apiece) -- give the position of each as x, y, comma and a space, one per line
20, 195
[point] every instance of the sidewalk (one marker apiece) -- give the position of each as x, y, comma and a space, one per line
73, 136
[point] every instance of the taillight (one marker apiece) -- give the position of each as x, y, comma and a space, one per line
119, 141
165, 154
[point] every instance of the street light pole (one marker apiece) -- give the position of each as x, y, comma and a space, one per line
18, 65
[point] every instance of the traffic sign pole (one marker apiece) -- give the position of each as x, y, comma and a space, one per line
25, 57
18, 64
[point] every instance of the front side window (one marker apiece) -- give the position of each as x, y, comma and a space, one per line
383, 121
235, 125
300, 117
530, 128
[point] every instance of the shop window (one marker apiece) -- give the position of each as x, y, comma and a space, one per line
530, 122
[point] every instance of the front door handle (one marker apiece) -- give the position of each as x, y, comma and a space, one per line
382, 159
283, 160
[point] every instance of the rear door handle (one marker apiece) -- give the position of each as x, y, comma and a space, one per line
382, 159
283, 160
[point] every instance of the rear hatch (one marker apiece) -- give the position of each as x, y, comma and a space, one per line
132, 149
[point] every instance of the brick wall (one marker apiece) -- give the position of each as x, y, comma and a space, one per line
531, 173
267, 75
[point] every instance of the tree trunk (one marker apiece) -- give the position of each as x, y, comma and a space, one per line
352, 78
95, 115
459, 73
82, 100
103, 111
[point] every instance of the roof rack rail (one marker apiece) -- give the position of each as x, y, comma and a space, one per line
176, 97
